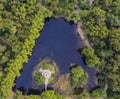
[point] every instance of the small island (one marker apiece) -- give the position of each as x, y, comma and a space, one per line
45, 72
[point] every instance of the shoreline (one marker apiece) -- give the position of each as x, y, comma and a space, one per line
82, 35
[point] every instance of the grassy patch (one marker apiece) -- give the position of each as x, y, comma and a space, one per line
63, 84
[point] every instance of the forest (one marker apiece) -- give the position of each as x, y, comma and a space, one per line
22, 20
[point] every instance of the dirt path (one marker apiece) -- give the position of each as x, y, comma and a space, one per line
40, 1
5, 42
47, 74
82, 35
106, 87
91, 2
12, 95
72, 98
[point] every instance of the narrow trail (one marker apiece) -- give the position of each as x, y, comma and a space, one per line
106, 87
40, 1
12, 95
5, 42
71, 98
47, 74
91, 2
82, 35
77, 10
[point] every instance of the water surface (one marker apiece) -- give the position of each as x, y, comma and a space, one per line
59, 41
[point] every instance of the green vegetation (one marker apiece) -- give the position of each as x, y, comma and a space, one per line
71, 10
33, 97
102, 26
19, 95
84, 95
98, 93
90, 58
78, 77
50, 94
46, 64
114, 39
21, 21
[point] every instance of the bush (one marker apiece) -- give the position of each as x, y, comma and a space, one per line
50, 94
78, 77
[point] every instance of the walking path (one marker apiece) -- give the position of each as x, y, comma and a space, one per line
82, 35
47, 74
3, 41
106, 87
91, 2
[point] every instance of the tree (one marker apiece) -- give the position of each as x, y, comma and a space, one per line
18, 95
84, 4
99, 16
84, 95
90, 58
99, 93
78, 77
102, 28
33, 97
114, 39
20, 23
76, 16
50, 94
112, 21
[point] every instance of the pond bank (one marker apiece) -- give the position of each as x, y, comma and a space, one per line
82, 35
63, 84
58, 41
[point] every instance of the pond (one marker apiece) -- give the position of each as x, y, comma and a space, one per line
59, 41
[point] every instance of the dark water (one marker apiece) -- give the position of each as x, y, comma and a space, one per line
59, 41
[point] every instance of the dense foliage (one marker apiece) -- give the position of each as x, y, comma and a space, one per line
20, 23
102, 26
90, 58
71, 10
78, 77
33, 97
96, 94
19, 95
84, 95
50, 94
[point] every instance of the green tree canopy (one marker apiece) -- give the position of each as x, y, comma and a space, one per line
98, 93
50, 94
84, 95
114, 38
90, 58
78, 77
